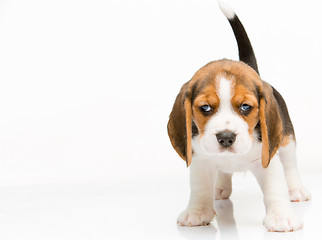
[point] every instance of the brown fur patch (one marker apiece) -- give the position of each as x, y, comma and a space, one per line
177, 124
265, 143
270, 123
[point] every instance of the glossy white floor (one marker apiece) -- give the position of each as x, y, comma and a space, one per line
142, 210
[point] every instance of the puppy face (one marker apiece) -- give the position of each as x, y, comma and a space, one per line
222, 105
226, 113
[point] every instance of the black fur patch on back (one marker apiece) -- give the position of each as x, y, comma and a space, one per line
287, 123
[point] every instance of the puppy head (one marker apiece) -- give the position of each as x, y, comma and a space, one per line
227, 107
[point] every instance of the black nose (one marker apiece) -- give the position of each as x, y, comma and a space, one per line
226, 138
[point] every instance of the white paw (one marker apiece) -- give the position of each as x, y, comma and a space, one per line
299, 194
196, 217
222, 193
282, 222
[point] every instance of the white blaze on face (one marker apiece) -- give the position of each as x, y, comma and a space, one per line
226, 119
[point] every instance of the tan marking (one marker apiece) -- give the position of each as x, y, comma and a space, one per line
187, 105
287, 140
265, 143
244, 96
208, 96
271, 122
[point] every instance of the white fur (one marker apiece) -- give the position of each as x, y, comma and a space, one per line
200, 209
209, 162
279, 214
227, 10
223, 187
203, 171
288, 157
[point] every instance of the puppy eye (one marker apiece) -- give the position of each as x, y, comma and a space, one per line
245, 109
206, 109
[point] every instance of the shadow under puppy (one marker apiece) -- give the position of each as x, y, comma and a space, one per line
227, 119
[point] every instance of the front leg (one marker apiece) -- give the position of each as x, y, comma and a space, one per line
200, 208
279, 215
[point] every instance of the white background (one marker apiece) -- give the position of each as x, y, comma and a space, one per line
86, 88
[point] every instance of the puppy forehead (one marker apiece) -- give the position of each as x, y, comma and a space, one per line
206, 93
246, 94
224, 86
206, 79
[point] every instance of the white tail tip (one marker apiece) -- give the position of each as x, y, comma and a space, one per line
226, 9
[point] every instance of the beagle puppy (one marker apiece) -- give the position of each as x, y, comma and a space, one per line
227, 119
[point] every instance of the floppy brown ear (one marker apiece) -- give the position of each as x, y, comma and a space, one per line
180, 126
270, 123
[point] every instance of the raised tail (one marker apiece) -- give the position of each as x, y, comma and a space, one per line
246, 53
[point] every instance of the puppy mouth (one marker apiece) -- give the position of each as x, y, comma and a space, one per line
213, 149
229, 150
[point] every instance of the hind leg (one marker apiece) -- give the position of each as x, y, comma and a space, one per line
223, 187
297, 191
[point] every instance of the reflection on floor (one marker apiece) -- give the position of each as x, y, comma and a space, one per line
142, 210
